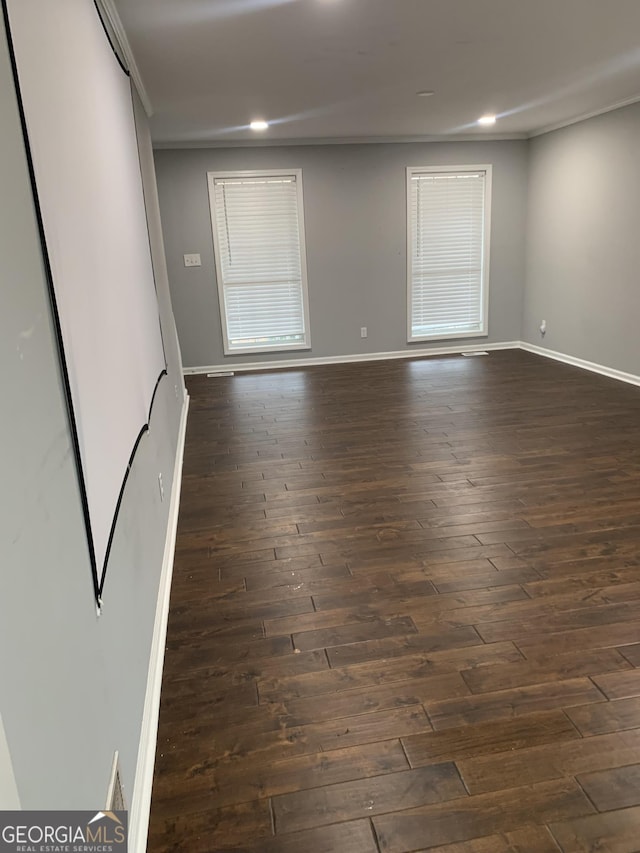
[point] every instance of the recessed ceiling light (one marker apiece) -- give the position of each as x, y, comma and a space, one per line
259, 124
425, 93
487, 120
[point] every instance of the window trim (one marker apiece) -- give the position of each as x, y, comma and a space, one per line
422, 170
260, 173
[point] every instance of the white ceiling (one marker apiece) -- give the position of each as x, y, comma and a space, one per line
350, 69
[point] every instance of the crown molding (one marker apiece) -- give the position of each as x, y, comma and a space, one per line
634, 99
108, 7
351, 140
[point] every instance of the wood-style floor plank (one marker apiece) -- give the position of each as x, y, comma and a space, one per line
483, 738
506, 704
613, 789
387, 671
367, 797
619, 685
615, 832
202, 788
529, 839
351, 837
405, 613
471, 817
609, 717
554, 761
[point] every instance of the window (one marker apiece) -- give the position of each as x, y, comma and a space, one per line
448, 221
258, 235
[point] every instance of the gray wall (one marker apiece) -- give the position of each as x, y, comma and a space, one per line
71, 685
583, 253
355, 212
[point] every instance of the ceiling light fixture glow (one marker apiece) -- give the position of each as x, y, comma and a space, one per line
259, 124
485, 121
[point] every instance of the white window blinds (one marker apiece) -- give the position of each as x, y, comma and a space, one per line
260, 260
448, 220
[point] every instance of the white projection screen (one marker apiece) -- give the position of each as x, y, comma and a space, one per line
80, 131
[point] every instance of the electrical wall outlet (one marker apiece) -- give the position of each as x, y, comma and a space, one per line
192, 260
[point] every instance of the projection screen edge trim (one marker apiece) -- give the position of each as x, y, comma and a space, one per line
111, 39
54, 305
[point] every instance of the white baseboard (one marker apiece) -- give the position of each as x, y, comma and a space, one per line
283, 364
241, 367
141, 799
592, 366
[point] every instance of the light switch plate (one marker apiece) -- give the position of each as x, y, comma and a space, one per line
192, 261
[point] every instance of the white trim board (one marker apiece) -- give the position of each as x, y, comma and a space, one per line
141, 799
601, 369
618, 105
9, 797
480, 136
239, 367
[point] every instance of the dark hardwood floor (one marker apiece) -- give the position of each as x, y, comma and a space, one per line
405, 613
